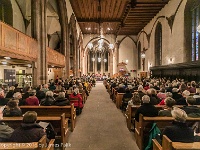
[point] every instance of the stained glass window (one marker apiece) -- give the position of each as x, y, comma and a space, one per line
195, 35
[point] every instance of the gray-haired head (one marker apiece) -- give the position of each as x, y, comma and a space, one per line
179, 114
145, 99
140, 88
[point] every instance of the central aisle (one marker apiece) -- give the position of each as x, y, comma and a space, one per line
101, 126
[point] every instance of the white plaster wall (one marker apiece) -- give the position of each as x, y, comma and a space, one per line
172, 41
18, 22
128, 51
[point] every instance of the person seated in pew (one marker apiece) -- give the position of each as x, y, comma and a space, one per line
175, 94
146, 109
12, 109
49, 100
5, 130
182, 101
169, 103
26, 92
39, 93
29, 130
141, 91
121, 89
168, 94
18, 96
79, 103
153, 100
135, 100
191, 110
10, 92
179, 131
61, 100
32, 100
126, 98
3, 100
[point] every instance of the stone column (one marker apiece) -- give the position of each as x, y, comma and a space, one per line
38, 30
64, 34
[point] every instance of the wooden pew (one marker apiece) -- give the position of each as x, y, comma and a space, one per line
119, 97
60, 124
167, 144
40, 145
145, 123
130, 113
70, 112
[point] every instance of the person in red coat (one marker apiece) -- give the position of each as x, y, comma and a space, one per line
32, 99
77, 104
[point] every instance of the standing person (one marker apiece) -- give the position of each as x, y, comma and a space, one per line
29, 130
5, 130
146, 109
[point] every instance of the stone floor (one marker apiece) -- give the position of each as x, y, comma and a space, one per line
101, 126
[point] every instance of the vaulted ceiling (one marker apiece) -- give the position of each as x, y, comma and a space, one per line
120, 17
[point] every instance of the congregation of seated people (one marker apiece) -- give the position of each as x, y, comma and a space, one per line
47, 95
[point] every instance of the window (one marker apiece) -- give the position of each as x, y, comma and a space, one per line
139, 55
195, 12
158, 45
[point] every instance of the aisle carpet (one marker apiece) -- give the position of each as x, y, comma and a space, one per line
101, 126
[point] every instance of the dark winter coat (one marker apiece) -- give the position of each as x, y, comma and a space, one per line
60, 101
146, 109
28, 132
48, 101
179, 132
12, 112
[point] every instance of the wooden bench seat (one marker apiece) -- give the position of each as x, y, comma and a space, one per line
131, 110
130, 113
70, 112
144, 125
167, 144
60, 124
40, 145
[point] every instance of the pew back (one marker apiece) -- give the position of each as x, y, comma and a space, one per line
167, 144
69, 111
60, 124
144, 125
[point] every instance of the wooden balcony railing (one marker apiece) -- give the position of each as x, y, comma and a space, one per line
55, 58
15, 44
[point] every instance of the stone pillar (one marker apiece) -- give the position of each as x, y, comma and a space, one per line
64, 35
38, 30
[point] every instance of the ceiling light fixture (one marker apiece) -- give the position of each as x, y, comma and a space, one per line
4, 62
7, 57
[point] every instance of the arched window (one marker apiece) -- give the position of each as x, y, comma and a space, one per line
139, 55
158, 45
195, 15
191, 35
